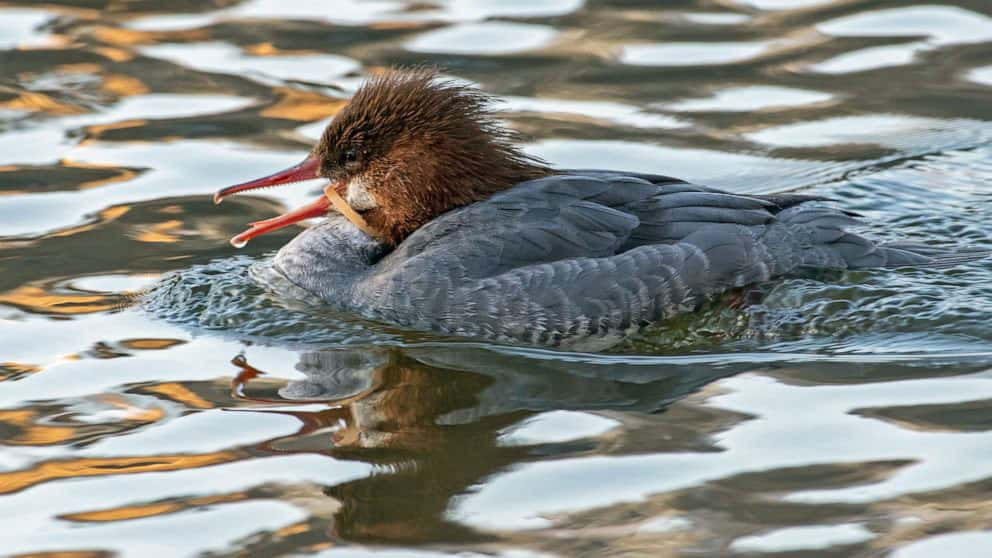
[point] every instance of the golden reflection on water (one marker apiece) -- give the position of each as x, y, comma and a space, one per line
119, 174
31, 434
33, 298
89, 467
67, 175
39, 102
95, 131
114, 54
16, 370
150, 510
161, 232
126, 38
147, 344
302, 106
180, 394
122, 86
105, 216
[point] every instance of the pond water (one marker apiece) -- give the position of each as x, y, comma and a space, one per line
156, 400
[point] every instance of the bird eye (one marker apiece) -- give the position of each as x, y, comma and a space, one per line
350, 156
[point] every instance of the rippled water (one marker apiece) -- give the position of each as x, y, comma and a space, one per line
842, 415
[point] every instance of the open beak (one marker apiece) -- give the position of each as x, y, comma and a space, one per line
307, 170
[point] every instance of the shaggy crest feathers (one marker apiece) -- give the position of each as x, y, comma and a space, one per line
421, 145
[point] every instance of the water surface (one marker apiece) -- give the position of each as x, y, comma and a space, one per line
838, 415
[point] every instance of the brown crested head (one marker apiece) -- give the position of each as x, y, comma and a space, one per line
411, 145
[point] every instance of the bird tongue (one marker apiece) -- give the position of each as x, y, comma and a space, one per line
316, 208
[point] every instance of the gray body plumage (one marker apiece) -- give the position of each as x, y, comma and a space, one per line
581, 259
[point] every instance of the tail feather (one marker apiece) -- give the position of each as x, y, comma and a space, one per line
821, 235
901, 254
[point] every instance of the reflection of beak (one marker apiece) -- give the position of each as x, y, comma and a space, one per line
307, 170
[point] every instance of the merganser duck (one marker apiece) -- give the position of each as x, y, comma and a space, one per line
443, 224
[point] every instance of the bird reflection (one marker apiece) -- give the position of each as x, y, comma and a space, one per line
430, 422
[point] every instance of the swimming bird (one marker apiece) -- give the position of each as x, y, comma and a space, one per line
435, 219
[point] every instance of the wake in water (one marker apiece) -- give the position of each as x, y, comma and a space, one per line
869, 311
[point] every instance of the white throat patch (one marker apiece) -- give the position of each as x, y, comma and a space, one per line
358, 196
